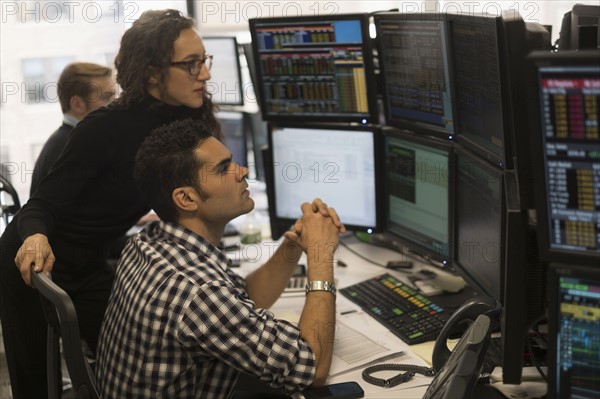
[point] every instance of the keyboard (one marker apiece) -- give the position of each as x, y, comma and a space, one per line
295, 287
413, 317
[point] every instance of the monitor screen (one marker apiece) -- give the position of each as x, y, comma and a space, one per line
234, 137
415, 69
482, 57
336, 164
419, 199
478, 221
317, 68
225, 82
569, 141
574, 331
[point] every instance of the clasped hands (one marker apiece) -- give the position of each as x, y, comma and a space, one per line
318, 224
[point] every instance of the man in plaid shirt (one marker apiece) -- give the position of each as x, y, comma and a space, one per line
180, 323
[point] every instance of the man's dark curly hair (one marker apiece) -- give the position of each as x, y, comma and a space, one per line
166, 160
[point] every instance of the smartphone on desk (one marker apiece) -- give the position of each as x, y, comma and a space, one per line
343, 390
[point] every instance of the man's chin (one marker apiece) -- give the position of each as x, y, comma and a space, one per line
251, 205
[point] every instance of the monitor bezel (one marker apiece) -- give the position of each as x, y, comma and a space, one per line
537, 60
412, 125
436, 143
207, 39
555, 272
241, 116
280, 224
372, 116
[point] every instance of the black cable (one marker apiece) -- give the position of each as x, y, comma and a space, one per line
409, 373
534, 360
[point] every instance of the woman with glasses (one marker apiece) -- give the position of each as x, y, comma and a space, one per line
89, 199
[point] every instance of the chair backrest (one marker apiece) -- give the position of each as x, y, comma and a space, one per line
62, 321
8, 208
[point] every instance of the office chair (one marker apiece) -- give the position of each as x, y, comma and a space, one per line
62, 323
8, 208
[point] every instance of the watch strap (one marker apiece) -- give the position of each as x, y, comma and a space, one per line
319, 285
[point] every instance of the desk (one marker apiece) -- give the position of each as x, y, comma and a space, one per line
356, 270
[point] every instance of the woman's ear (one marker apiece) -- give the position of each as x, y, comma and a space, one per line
185, 199
154, 78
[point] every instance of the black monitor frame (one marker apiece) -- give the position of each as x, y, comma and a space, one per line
370, 116
523, 281
242, 139
510, 39
210, 50
588, 58
580, 28
413, 124
555, 273
281, 224
405, 234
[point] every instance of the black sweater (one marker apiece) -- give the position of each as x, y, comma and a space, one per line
90, 198
50, 152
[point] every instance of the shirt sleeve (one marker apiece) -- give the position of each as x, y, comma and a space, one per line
86, 153
222, 323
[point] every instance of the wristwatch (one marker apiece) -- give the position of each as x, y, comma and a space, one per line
321, 286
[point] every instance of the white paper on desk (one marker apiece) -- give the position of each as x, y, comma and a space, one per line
354, 349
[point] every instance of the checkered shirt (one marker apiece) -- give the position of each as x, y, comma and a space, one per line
180, 324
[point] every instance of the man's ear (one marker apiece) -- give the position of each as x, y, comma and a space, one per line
78, 107
185, 199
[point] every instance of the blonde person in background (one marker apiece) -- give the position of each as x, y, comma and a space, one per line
82, 88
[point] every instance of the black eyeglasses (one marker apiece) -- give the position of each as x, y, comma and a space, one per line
194, 67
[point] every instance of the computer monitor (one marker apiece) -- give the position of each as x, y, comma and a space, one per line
419, 195
523, 296
579, 30
479, 223
555, 157
573, 331
565, 131
315, 68
415, 63
496, 253
225, 83
251, 64
488, 51
258, 129
338, 164
234, 136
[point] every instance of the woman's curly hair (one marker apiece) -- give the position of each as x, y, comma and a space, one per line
147, 49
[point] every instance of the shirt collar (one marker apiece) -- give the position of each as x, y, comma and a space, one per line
179, 235
70, 120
